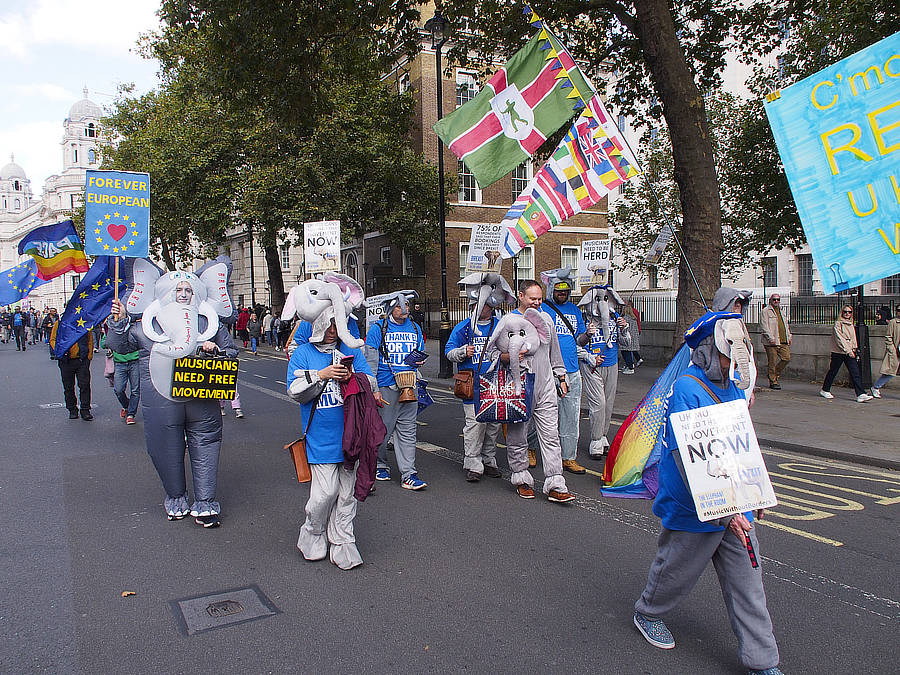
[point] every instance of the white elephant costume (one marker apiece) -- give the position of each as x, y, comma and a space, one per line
533, 333
163, 330
311, 296
724, 301
600, 381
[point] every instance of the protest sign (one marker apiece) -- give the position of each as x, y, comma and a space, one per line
725, 470
593, 265
198, 377
322, 246
838, 133
117, 213
484, 248
375, 308
654, 255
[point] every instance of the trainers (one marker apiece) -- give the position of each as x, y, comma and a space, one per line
223, 412
123, 412
175, 516
767, 671
572, 466
560, 497
473, 476
774, 385
382, 474
238, 413
87, 416
73, 414
876, 393
525, 491
492, 472
639, 362
825, 394
862, 398
413, 482
628, 371
532, 458
129, 419
211, 520
654, 631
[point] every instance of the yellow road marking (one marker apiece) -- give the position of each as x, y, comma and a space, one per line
879, 499
799, 533
841, 503
835, 464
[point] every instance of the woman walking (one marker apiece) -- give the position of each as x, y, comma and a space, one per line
844, 351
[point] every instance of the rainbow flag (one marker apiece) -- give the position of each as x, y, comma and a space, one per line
632, 467
56, 249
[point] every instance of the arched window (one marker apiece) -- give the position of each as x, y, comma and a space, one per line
18, 204
16, 185
74, 155
92, 157
90, 130
351, 267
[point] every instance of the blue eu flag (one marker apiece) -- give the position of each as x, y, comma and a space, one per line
89, 305
17, 282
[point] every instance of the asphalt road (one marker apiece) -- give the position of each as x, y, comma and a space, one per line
458, 577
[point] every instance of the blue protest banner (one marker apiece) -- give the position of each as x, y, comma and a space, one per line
117, 214
838, 134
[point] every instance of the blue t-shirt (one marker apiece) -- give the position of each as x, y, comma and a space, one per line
609, 350
18, 319
324, 442
462, 335
674, 504
567, 345
304, 331
399, 340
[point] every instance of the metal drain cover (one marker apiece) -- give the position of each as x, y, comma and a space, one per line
218, 610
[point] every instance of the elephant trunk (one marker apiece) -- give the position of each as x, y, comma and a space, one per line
340, 317
515, 366
603, 308
483, 294
179, 324
740, 363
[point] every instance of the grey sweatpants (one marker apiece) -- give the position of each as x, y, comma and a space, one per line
399, 418
480, 441
681, 558
600, 388
545, 420
329, 516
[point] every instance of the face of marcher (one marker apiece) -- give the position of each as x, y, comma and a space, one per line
184, 293
330, 334
531, 298
399, 315
775, 301
561, 296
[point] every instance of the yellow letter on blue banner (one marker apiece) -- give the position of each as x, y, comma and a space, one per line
117, 213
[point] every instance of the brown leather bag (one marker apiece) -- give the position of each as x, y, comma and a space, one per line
301, 463
464, 385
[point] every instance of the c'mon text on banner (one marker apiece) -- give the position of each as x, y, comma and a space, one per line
117, 213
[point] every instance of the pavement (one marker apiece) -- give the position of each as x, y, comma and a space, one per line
795, 418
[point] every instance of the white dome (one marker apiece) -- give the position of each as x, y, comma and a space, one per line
12, 170
85, 108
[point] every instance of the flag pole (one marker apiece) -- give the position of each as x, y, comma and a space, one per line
116, 283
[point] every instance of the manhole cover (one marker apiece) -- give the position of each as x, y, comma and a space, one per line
227, 608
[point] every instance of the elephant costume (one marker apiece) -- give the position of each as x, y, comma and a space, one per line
302, 302
168, 316
725, 300
516, 332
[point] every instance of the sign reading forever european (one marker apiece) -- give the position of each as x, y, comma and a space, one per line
198, 377
838, 134
117, 213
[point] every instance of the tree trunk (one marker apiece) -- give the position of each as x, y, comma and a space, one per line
167, 255
276, 279
695, 166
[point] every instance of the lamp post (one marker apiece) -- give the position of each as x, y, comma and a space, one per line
437, 26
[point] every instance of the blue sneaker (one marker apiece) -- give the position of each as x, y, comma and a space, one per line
413, 482
654, 631
767, 671
382, 474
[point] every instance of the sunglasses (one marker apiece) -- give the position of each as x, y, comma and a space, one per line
846, 311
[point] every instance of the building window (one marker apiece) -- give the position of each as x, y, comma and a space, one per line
463, 256
891, 285
520, 177
770, 271
284, 254
468, 187
525, 263
16, 186
466, 87
609, 278
409, 267
351, 266
18, 204
804, 274
90, 130
621, 123
385, 255
74, 155
92, 157
403, 83
652, 277
569, 257
72, 202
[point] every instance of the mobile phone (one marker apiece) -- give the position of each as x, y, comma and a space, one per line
347, 362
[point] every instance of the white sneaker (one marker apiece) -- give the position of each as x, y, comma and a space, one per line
825, 394
862, 398
238, 413
628, 371
223, 412
876, 393
639, 362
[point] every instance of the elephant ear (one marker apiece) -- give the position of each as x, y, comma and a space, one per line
588, 297
291, 303
615, 296
214, 276
534, 318
140, 281
353, 292
474, 279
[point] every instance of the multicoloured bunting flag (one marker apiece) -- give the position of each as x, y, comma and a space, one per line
528, 99
89, 305
17, 282
56, 249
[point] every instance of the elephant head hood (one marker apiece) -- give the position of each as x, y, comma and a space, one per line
486, 288
720, 332
558, 279
399, 299
725, 297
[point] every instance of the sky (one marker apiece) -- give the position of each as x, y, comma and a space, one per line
51, 50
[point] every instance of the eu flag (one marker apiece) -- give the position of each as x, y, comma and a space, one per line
17, 282
89, 305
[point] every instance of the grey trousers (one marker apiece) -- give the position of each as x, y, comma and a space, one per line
681, 558
399, 418
600, 387
545, 420
569, 413
329, 516
480, 441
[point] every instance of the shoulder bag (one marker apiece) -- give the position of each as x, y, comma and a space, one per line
298, 448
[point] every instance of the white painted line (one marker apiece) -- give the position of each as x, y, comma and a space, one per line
262, 377
281, 382
270, 392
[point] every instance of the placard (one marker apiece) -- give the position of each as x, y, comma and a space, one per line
117, 213
725, 470
375, 308
654, 255
205, 377
322, 246
484, 248
838, 135
593, 262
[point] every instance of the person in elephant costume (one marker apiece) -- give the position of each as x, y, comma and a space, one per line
311, 295
167, 316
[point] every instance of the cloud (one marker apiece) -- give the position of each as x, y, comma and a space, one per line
47, 91
37, 149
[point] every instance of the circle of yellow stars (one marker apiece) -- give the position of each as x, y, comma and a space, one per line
116, 249
27, 282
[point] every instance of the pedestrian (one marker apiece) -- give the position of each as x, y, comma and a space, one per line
465, 347
890, 362
19, 322
631, 347
418, 315
75, 365
391, 340
241, 326
776, 338
6, 326
47, 322
569, 326
549, 371
882, 315
315, 373
844, 351
235, 405
126, 374
267, 328
686, 545
254, 330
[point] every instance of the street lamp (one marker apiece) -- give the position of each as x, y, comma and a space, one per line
438, 26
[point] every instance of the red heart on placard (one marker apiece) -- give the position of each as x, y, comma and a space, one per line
116, 231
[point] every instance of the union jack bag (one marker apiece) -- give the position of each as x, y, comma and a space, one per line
496, 400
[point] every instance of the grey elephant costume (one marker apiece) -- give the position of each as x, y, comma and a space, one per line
163, 330
724, 301
516, 332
